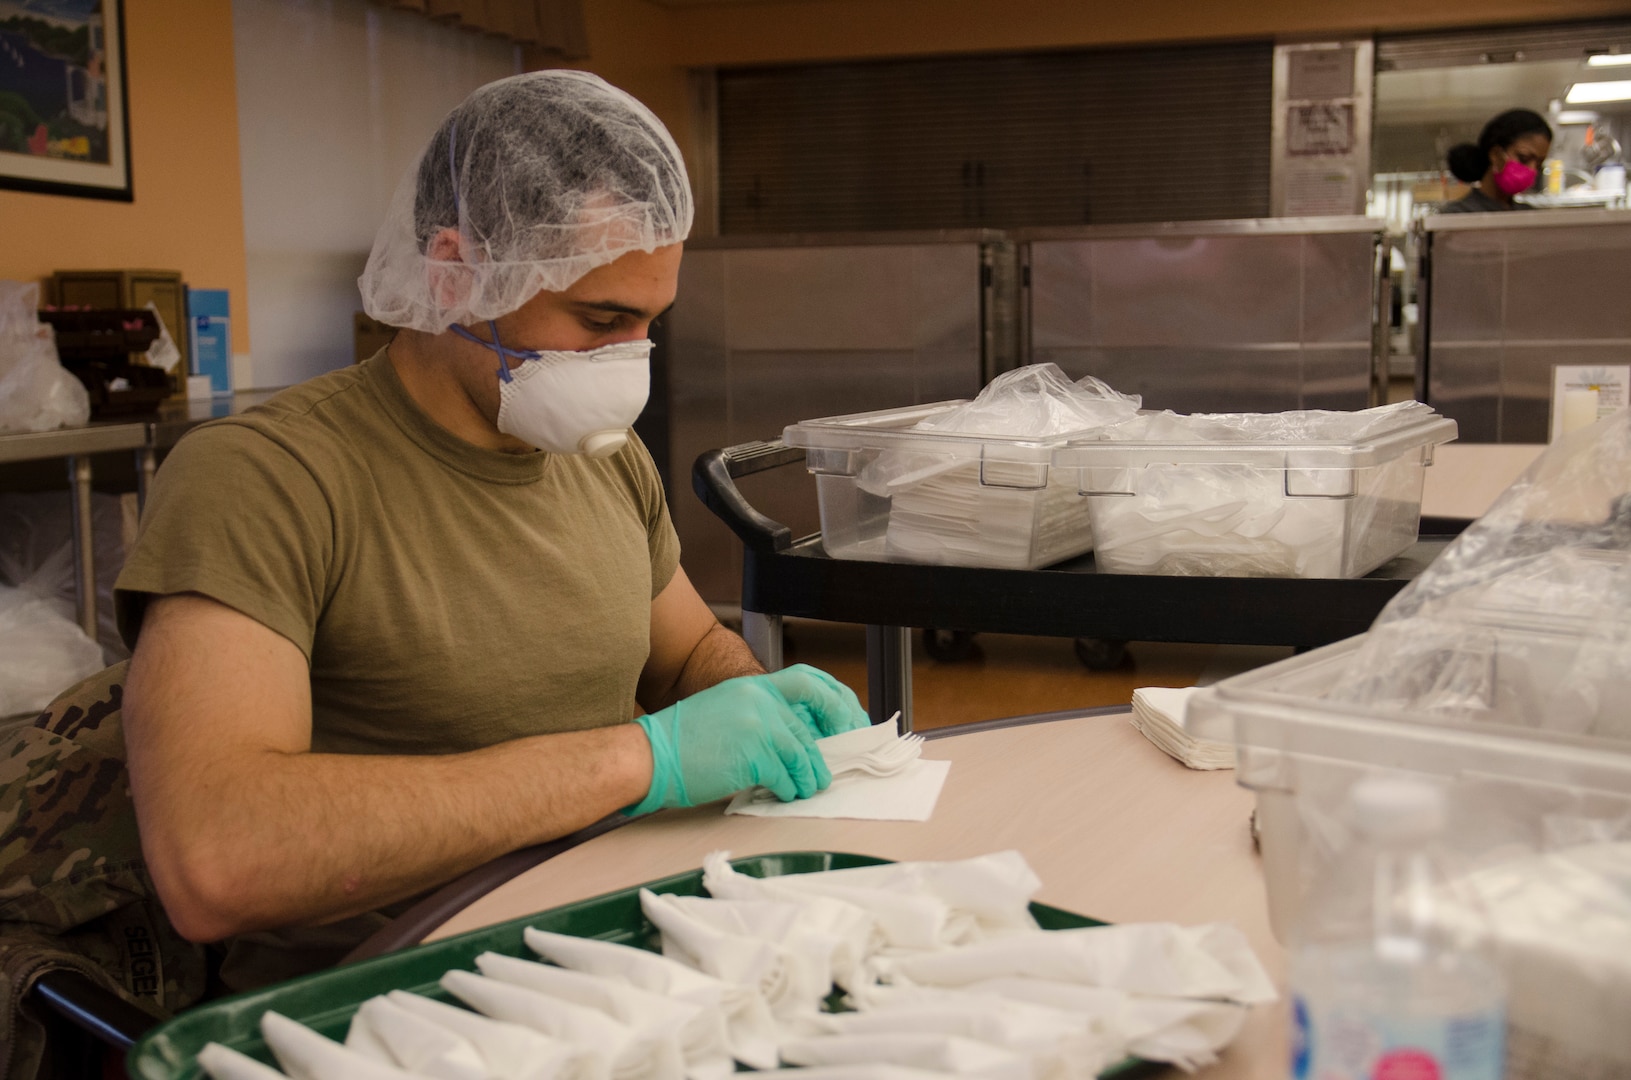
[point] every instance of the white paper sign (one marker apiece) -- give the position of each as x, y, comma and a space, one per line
1582, 394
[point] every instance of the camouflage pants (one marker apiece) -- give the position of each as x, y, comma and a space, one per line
74, 891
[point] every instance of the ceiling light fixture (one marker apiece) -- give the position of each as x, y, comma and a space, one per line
1570, 117
1587, 93
1609, 60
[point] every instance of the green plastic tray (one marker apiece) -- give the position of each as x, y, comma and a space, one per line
325, 1001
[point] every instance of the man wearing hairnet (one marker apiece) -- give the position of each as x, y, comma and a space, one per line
397, 621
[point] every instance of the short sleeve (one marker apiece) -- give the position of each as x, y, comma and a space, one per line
236, 517
661, 539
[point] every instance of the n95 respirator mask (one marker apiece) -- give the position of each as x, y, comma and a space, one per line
571, 402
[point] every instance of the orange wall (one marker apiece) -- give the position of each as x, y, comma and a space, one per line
188, 212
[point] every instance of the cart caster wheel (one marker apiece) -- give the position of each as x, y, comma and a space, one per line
1101, 654
948, 646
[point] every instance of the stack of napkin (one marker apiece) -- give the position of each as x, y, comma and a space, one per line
1158, 712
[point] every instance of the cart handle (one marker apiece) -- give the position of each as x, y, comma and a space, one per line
713, 478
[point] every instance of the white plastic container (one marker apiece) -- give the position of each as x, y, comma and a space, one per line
1255, 509
1541, 814
891, 494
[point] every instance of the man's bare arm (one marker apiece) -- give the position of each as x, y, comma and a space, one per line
690, 650
245, 828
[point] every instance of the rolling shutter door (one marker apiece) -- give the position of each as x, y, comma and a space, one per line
1088, 137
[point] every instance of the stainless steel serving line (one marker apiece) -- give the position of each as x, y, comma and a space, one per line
1504, 298
1256, 315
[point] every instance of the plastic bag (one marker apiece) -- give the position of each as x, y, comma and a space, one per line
36, 392
1296, 426
42, 650
1037, 400
36, 528
1525, 620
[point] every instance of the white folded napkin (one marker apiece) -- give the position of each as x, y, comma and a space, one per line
697, 1032
631, 1057
859, 1072
836, 932
306, 1055
986, 896
1210, 961
909, 795
364, 1040
1179, 1031
788, 982
944, 1053
389, 1033
1058, 1042
512, 1052
225, 1063
748, 1025
908, 920
1159, 713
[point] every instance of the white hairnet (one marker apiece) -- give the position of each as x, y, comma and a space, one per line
545, 176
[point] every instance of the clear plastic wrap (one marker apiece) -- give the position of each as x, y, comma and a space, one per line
36, 545
36, 392
1038, 399
42, 650
1296, 426
1525, 620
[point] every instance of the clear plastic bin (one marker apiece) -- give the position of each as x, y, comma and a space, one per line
1305, 510
891, 494
1544, 814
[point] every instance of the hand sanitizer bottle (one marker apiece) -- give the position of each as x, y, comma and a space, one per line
1391, 975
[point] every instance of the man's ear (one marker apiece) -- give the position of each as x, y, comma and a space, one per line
447, 274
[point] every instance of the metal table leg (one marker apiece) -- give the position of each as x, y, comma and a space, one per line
146, 464
889, 674
763, 633
79, 481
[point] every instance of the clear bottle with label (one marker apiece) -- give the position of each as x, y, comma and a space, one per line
1392, 976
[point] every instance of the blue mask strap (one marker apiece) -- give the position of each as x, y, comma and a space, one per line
523, 355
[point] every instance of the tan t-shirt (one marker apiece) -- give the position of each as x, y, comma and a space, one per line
446, 597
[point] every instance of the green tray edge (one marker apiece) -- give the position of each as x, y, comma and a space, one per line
169, 1051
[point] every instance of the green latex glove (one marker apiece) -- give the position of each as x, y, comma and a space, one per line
826, 706
742, 733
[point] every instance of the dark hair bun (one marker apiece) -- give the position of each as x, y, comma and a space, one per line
1468, 163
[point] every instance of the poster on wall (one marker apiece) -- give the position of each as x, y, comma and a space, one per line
63, 114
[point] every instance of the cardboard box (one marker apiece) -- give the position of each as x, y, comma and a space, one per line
209, 332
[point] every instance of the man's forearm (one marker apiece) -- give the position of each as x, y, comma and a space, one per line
720, 655
300, 839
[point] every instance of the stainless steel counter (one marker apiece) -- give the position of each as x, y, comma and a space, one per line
1256, 315
1505, 298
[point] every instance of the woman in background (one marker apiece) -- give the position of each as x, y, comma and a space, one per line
1505, 161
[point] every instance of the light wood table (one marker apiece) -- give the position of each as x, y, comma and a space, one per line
1466, 477
1115, 829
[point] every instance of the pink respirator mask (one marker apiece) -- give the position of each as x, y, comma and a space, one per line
1514, 177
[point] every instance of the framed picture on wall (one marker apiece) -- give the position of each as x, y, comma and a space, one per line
63, 112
